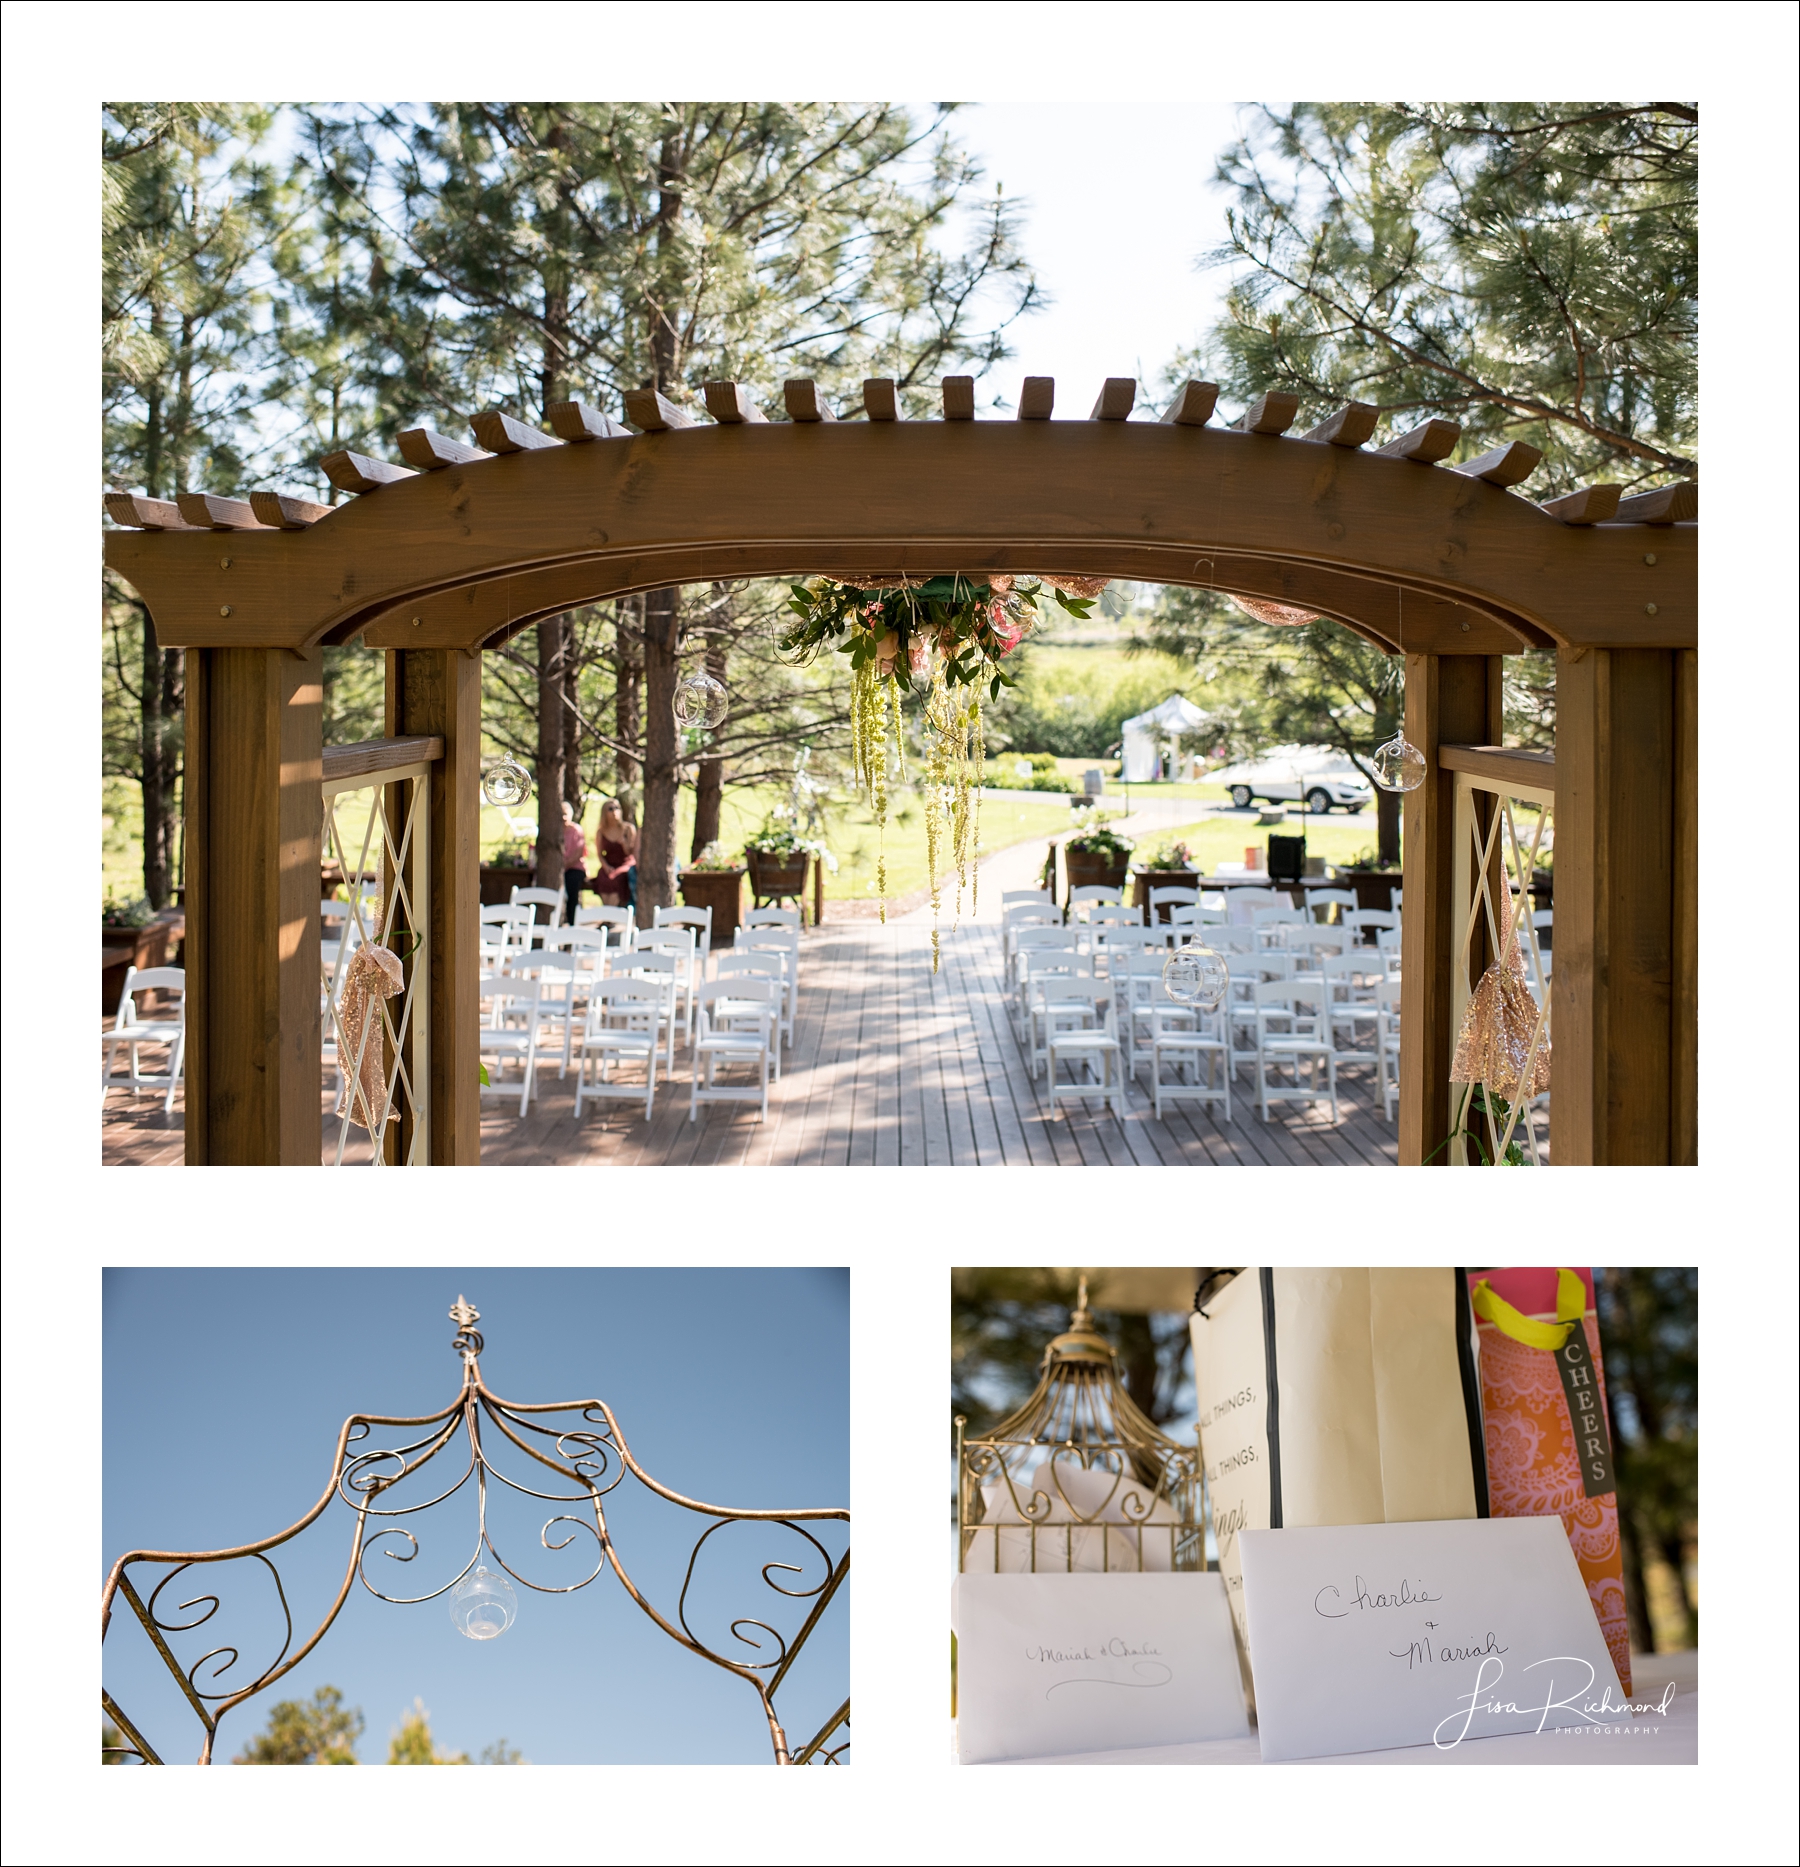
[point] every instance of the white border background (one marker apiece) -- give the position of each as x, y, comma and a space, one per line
902, 1801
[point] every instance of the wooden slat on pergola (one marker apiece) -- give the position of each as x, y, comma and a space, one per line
468, 542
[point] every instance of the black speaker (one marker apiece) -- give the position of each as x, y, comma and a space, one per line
1287, 858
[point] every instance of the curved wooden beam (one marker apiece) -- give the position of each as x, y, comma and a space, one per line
1158, 502
486, 615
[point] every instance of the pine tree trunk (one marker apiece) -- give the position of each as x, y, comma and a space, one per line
656, 834
550, 752
709, 787
628, 675
571, 722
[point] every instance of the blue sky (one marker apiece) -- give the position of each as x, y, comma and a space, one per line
224, 1394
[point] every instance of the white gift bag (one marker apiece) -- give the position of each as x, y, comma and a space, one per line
1336, 1397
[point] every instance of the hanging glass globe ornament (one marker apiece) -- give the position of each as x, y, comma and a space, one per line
700, 701
483, 1605
505, 782
1399, 765
1197, 976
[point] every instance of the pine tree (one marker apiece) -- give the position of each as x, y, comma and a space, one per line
324, 1731
188, 217
523, 254
1528, 269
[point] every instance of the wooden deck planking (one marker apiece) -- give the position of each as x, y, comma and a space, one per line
888, 1065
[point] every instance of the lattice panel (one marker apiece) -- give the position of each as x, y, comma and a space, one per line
1501, 837
388, 905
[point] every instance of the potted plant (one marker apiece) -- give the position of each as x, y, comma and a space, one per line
513, 865
1096, 856
131, 935
1372, 884
777, 859
1169, 865
713, 880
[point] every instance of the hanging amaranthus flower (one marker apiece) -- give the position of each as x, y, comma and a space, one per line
944, 637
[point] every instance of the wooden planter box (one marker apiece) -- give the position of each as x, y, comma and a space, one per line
156, 944
722, 890
1373, 888
773, 879
497, 884
1085, 869
1161, 878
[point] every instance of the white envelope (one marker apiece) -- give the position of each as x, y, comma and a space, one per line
1048, 1664
1375, 1636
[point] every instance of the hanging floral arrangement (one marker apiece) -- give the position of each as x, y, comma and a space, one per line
942, 639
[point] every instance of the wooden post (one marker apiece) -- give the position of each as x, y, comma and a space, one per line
1623, 1086
439, 691
253, 818
818, 891
1684, 1092
1450, 700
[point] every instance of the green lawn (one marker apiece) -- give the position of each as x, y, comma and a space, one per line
850, 834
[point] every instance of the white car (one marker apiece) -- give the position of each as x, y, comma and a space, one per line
1318, 776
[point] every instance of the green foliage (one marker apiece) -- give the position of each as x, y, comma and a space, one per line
126, 914
412, 1743
1649, 1328
1094, 836
324, 1731
1044, 774
1168, 856
1073, 702
1001, 1320
1528, 269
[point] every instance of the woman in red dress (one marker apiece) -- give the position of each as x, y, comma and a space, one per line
616, 884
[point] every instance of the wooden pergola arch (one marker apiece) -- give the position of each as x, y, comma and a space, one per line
464, 545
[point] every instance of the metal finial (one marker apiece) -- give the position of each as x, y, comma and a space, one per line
1079, 1319
463, 1312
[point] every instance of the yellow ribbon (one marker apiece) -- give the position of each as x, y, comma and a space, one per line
1571, 1303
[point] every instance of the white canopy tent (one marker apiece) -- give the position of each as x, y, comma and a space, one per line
1144, 736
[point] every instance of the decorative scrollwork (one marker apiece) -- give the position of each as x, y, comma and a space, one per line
588, 1455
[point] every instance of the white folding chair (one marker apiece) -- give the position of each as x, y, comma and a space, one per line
620, 922
662, 968
1292, 1034
624, 1025
1093, 894
1387, 1044
699, 919
1310, 944
561, 987
1138, 989
509, 1034
1368, 920
1088, 1049
746, 966
1182, 1038
1267, 916
1351, 979
786, 942
1103, 923
681, 942
1060, 1000
1013, 895
1020, 915
1048, 939
1062, 961
735, 1023
133, 1029
535, 898
1340, 898
1173, 898
773, 917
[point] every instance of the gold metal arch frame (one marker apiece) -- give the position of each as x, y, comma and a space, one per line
588, 1452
